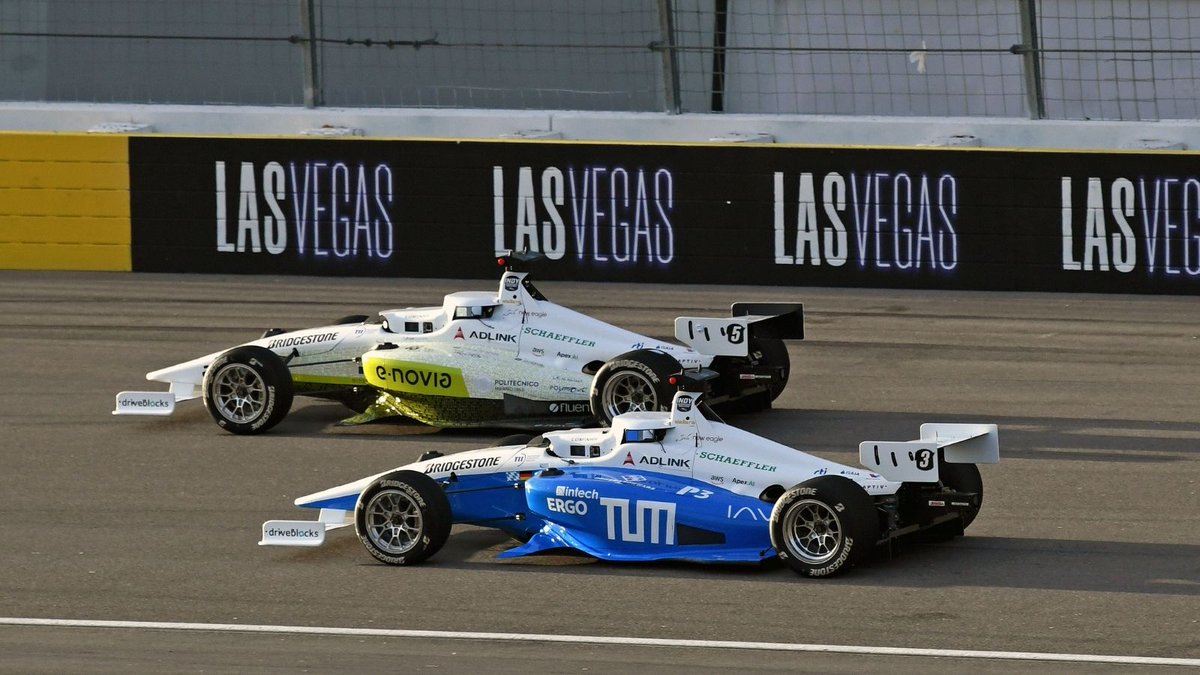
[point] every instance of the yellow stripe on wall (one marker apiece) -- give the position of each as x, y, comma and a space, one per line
64, 202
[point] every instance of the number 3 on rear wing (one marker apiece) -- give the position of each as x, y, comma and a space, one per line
731, 336
917, 461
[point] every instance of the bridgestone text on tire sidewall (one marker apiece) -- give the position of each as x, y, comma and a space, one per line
417, 499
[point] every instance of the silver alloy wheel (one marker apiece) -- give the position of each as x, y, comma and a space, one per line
628, 391
239, 393
393, 521
812, 531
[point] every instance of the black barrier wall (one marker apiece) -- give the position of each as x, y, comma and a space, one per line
902, 218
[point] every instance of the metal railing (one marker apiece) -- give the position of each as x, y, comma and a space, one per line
1042, 59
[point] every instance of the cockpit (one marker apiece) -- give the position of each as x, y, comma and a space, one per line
470, 305
474, 311
643, 435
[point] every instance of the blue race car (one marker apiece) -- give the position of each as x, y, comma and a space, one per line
674, 485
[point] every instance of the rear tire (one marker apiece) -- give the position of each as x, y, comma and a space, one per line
963, 478
773, 352
403, 518
633, 382
247, 390
824, 526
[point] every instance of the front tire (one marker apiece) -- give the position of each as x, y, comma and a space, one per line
247, 390
513, 439
403, 518
633, 382
824, 526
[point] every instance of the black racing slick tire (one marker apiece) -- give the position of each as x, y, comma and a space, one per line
773, 352
963, 478
403, 518
513, 439
247, 390
824, 526
633, 382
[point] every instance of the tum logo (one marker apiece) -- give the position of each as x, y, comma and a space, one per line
648, 526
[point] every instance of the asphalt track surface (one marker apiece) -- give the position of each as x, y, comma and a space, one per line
1088, 542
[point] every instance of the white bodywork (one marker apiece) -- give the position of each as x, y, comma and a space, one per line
691, 446
508, 342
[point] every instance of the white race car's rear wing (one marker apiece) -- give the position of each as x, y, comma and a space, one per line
731, 336
917, 461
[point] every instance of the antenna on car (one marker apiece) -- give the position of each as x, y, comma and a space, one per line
697, 381
520, 262
513, 261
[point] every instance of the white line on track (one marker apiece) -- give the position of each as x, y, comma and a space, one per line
603, 640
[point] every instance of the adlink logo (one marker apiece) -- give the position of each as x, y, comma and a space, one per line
667, 462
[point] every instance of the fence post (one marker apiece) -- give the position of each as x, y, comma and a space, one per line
312, 78
670, 61
1030, 50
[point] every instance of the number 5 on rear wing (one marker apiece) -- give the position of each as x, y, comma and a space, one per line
731, 336
917, 461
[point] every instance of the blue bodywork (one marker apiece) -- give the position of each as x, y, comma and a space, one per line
616, 514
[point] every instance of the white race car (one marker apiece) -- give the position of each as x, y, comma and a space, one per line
673, 485
506, 358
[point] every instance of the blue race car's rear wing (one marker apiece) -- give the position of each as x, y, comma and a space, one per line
917, 461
